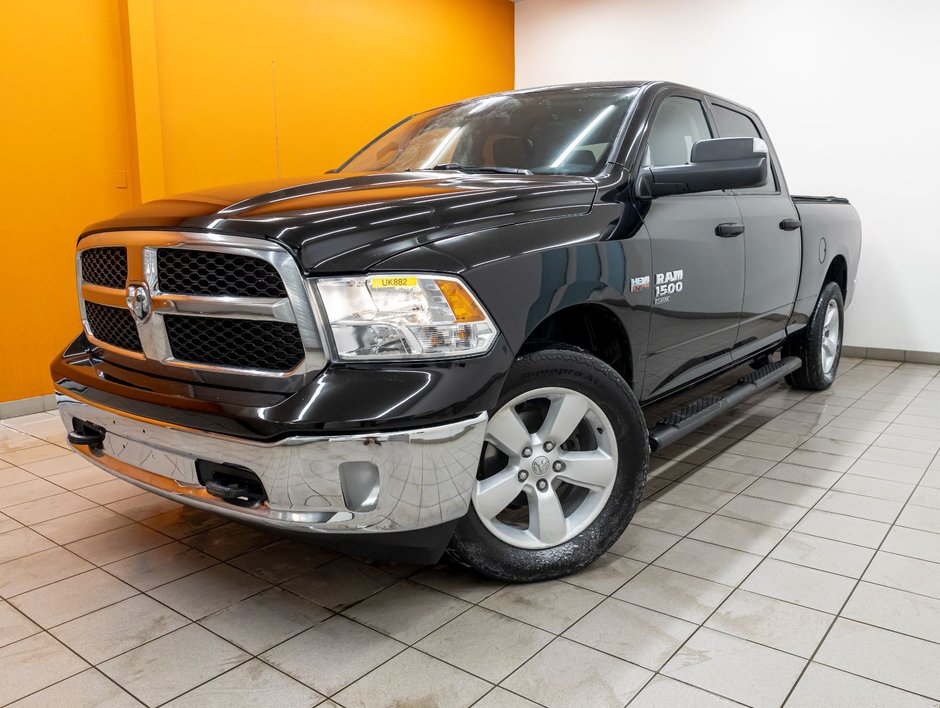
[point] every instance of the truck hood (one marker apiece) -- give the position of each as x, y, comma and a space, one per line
350, 223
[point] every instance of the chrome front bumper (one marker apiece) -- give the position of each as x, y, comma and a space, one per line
379, 482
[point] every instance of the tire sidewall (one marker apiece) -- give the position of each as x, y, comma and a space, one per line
580, 372
831, 293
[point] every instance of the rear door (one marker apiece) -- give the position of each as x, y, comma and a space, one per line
697, 279
772, 253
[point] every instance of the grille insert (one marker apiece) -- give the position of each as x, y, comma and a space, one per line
113, 325
244, 344
105, 266
189, 272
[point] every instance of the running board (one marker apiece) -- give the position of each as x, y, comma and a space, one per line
691, 416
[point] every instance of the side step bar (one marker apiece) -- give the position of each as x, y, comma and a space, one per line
691, 416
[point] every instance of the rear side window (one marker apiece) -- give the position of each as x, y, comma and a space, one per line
678, 125
732, 124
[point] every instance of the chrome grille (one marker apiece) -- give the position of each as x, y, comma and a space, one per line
189, 272
105, 266
220, 303
113, 325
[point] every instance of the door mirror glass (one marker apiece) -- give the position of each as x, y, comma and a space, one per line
717, 163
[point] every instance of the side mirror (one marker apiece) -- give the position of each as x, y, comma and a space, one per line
719, 163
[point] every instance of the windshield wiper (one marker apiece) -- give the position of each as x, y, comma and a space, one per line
481, 168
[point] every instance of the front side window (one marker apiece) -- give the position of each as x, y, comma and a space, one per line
570, 131
678, 125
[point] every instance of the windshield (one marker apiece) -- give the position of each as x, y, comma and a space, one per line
564, 131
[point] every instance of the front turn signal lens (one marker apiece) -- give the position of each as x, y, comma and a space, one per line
461, 302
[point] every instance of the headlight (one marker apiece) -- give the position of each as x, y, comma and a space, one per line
394, 316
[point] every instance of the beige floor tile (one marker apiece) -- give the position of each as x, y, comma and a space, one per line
895, 659
117, 544
822, 460
706, 560
333, 654
691, 496
920, 517
911, 574
677, 594
569, 674
668, 517
606, 574
664, 692
34, 663
143, 506
743, 671
259, 622
283, 560
22, 492
926, 497
21, 542
738, 534
780, 625
8, 524
823, 687
742, 464
840, 527
886, 471
873, 487
823, 554
722, 480
11, 475
82, 524
485, 643
458, 581
822, 443
804, 586
634, 633
501, 698
643, 544
208, 591
913, 543
786, 492
173, 664
110, 491
56, 465
89, 689
340, 583
551, 605
184, 521
909, 458
799, 474
253, 683
230, 540
760, 450
79, 478
668, 469
38, 453
73, 597
894, 609
159, 566
763, 511
113, 630
46, 508
14, 625
30, 572
857, 505
417, 679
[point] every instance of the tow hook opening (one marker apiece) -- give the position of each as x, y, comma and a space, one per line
84, 433
231, 483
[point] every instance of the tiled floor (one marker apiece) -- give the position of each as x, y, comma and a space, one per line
788, 554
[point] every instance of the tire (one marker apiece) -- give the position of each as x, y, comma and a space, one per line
565, 501
819, 344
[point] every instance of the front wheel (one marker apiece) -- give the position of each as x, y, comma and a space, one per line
819, 344
562, 471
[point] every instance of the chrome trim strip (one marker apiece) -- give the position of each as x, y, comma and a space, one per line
142, 248
426, 476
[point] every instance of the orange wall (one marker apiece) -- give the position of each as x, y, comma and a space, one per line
182, 95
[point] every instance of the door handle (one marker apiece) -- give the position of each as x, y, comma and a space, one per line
728, 230
790, 224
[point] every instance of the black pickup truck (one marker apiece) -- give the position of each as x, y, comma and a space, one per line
448, 341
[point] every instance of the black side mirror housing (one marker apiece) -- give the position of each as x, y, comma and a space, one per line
718, 163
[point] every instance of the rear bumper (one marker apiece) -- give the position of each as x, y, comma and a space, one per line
329, 487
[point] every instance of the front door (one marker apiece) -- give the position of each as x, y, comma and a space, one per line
697, 279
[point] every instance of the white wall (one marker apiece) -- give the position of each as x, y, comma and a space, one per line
847, 89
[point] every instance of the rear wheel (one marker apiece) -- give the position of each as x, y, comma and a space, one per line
562, 470
819, 345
